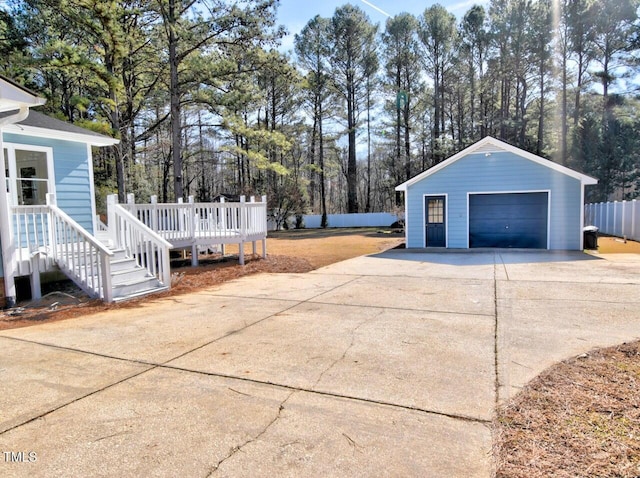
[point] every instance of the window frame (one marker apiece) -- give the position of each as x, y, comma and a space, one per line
12, 178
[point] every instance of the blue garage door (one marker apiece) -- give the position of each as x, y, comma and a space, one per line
508, 220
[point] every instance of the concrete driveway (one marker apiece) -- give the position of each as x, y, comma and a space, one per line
386, 365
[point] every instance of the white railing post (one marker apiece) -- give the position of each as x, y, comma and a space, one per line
192, 216
223, 221
131, 198
192, 231
112, 200
51, 201
243, 229
105, 271
264, 227
180, 212
154, 213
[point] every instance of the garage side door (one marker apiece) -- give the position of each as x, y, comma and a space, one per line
516, 220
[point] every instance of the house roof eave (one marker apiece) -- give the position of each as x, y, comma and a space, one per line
14, 96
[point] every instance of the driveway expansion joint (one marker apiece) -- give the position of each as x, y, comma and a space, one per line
77, 399
496, 362
408, 309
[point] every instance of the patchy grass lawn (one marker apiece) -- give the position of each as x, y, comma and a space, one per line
321, 247
615, 245
287, 252
580, 418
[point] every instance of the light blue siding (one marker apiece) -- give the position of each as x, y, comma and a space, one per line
71, 164
499, 172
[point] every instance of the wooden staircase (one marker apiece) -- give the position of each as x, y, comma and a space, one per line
128, 278
118, 262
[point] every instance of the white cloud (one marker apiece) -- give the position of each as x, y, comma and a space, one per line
378, 9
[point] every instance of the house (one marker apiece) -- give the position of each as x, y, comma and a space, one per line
48, 215
44, 158
493, 194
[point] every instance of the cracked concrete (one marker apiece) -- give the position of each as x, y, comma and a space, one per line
239, 448
382, 365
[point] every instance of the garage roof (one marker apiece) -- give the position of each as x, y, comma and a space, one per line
490, 145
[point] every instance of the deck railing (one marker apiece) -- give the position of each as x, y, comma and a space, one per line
140, 242
31, 234
184, 222
47, 233
81, 256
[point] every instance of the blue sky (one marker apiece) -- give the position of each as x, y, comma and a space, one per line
294, 14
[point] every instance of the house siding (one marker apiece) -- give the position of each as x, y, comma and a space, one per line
71, 172
498, 172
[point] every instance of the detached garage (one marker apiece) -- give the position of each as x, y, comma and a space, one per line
493, 194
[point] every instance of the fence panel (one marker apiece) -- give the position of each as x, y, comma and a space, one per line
618, 218
372, 219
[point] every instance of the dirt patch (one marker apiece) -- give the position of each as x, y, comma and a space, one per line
615, 245
288, 252
579, 418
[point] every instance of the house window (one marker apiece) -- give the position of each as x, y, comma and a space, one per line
29, 177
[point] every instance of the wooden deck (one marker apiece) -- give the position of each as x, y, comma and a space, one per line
198, 226
129, 256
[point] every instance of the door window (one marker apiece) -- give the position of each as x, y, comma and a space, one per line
435, 212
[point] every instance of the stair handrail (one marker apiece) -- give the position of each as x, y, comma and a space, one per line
148, 248
79, 254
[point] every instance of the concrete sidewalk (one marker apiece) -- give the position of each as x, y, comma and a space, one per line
386, 365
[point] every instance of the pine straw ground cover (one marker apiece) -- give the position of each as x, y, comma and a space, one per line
296, 251
580, 418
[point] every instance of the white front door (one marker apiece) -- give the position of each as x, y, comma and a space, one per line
29, 171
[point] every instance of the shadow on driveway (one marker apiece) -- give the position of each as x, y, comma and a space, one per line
476, 257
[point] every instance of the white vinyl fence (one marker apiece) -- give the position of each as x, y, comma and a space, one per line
369, 219
619, 218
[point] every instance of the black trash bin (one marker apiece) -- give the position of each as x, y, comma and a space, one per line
590, 235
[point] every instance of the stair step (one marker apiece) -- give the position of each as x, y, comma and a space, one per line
131, 274
141, 293
118, 254
104, 238
123, 264
135, 286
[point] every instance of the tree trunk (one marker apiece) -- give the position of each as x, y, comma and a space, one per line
312, 154
352, 176
174, 92
323, 194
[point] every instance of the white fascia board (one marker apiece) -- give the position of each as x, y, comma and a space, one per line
63, 135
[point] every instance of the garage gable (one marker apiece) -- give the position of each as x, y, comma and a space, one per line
490, 145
